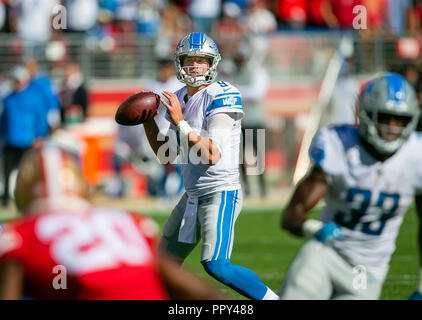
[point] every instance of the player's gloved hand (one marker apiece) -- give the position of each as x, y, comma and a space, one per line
415, 296
329, 232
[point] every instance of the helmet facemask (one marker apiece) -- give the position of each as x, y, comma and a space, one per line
388, 112
386, 138
388, 131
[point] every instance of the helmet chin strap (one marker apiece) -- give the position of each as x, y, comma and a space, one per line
382, 148
187, 70
389, 147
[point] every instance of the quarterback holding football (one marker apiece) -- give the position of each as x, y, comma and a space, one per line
206, 114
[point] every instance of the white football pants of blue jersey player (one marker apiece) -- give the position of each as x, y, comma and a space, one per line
213, 199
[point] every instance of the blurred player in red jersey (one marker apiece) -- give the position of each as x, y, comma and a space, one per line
63, 248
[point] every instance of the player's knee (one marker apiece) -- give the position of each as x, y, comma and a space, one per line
219, 269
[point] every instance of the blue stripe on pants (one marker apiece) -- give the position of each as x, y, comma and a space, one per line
220, 211
224, 225
231, 225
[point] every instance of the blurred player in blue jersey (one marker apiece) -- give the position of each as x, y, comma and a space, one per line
368, 176
206, 114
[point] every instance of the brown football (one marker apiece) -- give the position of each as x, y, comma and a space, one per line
137, 108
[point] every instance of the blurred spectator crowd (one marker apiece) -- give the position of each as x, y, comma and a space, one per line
32, 108
125, 37
36, 22
31, 18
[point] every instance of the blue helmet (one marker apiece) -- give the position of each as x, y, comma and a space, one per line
387, 95
196, 44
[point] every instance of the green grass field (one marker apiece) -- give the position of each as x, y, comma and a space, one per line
260, 245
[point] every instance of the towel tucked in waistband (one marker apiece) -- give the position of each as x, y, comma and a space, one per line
187, 231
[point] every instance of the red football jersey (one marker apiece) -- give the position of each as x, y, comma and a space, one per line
103, 254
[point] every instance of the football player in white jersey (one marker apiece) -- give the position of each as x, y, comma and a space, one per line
206, 114
368, 176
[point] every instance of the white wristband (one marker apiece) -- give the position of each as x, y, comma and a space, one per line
420, 280
184, 128
310, 227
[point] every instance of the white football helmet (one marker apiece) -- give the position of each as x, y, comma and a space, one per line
196, 44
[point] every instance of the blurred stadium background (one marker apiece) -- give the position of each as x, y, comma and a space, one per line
314, 59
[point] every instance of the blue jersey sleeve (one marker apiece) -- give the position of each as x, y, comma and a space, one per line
329, 148
327, 152
225, 98
317, 151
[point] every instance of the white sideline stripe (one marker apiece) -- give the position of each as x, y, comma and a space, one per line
326, 91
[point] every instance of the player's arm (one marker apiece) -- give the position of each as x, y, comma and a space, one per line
417, 295
307, 194
206, 148
11, 280
152, 131
182, 285
157, 141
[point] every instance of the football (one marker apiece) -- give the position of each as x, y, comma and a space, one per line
137, 108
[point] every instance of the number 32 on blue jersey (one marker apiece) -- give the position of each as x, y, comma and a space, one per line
350, 221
